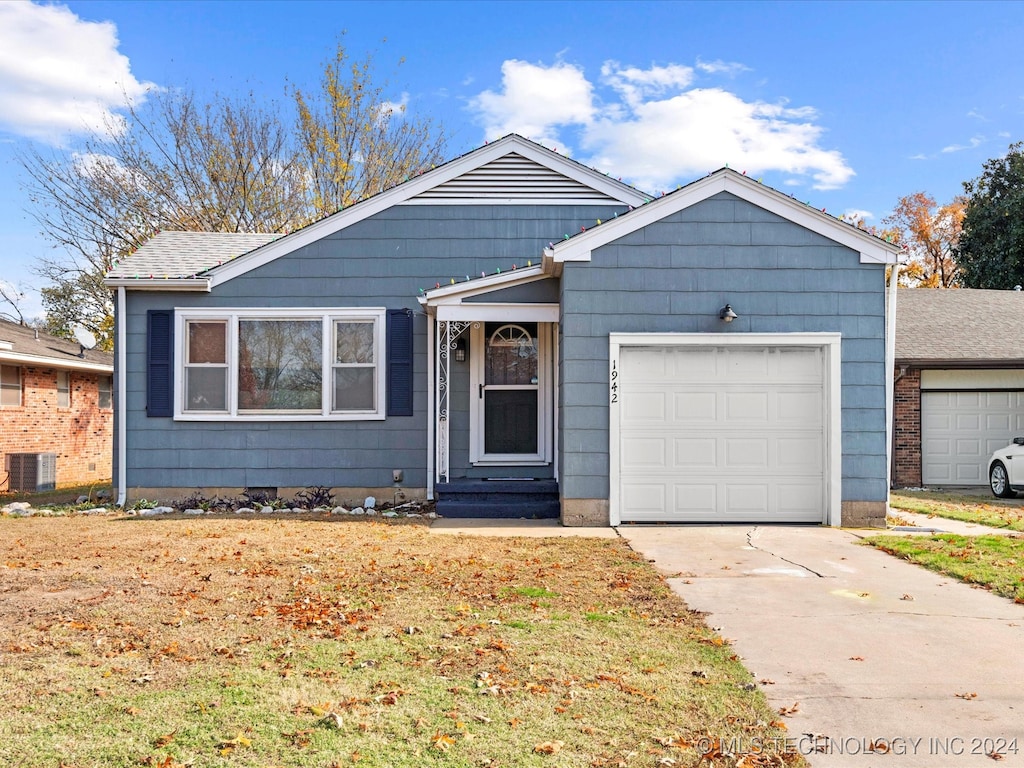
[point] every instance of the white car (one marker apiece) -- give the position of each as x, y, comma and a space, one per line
1006, 469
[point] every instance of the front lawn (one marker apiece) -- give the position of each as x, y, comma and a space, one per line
996, 513
993, 562
324, 642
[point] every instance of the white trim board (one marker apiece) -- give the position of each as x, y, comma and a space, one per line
872, 250
830, 343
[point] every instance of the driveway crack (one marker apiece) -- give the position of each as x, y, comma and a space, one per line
752, 545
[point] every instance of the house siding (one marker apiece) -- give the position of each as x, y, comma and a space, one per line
382, 261
674, 275
80, 435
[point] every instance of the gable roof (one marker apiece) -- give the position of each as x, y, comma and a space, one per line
959, 326
183, 256
872, 249
510, 171
21, 345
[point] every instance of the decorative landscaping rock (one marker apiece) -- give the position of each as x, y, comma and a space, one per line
194, 512
339, 511
370, 502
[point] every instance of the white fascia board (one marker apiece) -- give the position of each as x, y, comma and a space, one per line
872, 250
448, 294
50, 362
539, 313
507, 201
201, 284
405, 191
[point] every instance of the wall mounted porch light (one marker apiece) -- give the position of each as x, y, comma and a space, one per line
726, 313
460, 351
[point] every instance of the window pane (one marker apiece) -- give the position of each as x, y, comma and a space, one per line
354, 342
206, 342
353, 389
105, 384
10, 385
63, 389
279, 365
206, 389
511, 356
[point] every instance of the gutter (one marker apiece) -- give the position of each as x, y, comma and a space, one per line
201, 284
53, 362
122, 401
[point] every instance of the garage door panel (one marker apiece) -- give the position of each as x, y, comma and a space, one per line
643, 406
960, 430
800, 455
746, 407
645, 452
694, 406
643, 497
744, 453
744, 435
701, 453
746, 499
803, 407
695, 499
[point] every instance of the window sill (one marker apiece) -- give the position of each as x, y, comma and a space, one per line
224, 417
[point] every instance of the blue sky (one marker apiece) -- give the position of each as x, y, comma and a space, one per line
846, 105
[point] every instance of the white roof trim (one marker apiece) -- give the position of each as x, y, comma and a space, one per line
872, 250
160, 284
408, 190
53, 362
454, 294
540, 313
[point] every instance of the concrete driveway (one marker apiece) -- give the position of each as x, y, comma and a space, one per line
869, 649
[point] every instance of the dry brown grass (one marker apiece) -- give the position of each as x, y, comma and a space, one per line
313, 642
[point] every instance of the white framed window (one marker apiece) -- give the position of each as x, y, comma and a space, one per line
63, 389
280, 364
10, 386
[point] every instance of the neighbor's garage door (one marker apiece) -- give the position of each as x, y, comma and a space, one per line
960, 430
722, 434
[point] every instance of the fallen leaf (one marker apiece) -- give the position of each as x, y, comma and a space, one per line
441, 741
907, 597
995, 756
549, 747
966, 696
167, 738
856, 658
785, 711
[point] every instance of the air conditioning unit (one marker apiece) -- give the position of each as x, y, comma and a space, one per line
32, 472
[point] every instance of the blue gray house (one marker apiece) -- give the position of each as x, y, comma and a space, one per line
515, 333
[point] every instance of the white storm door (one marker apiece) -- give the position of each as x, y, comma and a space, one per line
510, 393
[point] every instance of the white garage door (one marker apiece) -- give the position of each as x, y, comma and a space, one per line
722, 434
959, 431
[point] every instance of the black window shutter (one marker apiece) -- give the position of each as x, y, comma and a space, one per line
160, 362
399, 362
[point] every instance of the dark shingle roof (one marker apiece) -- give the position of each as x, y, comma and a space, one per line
959, 325
27, 341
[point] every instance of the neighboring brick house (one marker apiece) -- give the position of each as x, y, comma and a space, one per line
54, 398
959, 383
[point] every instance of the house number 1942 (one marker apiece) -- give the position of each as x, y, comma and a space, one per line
615, 383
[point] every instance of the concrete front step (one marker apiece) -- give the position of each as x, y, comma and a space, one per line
534, 499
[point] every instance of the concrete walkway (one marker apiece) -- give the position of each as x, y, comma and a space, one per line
870, 649
867, 646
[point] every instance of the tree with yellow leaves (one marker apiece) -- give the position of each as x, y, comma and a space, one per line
929, 233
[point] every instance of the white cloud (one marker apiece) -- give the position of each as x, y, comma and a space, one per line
655, 128
60, 75
977, 115
389, 109
731, 68
535, 101
975, 141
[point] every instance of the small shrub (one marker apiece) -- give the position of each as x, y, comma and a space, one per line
260, 497
143, 504
314, 496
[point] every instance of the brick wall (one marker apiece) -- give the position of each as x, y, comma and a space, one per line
907, 429
81, 435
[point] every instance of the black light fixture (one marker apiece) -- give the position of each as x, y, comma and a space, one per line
460, 351
726, 313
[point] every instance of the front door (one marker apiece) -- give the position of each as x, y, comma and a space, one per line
510, 393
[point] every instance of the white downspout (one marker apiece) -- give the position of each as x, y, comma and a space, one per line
122, 401
890, 367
